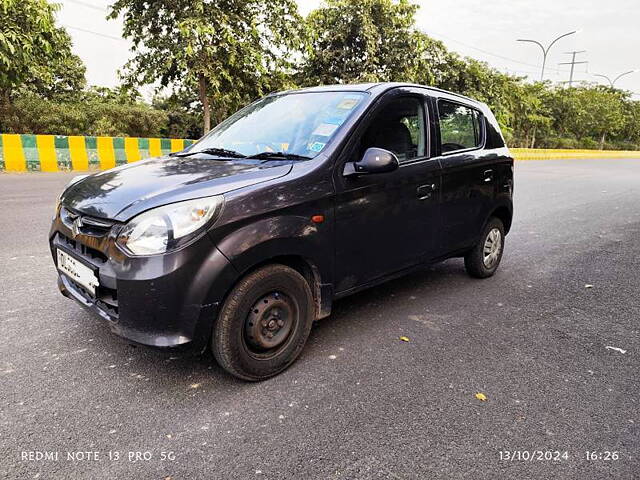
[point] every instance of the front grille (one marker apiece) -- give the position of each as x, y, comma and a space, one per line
89, 242
92, 254
106, 299
94, 227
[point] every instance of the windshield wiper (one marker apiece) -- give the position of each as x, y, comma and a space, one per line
220, 152
277, 155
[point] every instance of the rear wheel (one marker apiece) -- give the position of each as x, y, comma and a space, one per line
483, 260
264, 323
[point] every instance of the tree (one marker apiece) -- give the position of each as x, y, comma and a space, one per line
183, 121
377, 40
630, 133
588, 112
364, 41
228, 51
34, 53
529, 116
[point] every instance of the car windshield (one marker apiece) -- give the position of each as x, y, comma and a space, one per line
294, 125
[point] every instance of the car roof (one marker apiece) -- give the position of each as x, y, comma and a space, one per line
376, 89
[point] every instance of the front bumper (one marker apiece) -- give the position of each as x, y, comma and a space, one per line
166, 300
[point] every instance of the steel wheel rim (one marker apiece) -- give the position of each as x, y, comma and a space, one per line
269, 324
492, 248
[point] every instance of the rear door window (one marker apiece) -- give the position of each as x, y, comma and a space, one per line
460, 127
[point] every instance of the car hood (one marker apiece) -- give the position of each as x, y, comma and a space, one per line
125, 191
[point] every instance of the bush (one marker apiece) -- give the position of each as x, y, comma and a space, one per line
558, 142
183, 124
586, 143
590, 144
627, 145
30, 113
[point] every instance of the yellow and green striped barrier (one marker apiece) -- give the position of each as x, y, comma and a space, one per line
52, 153
559, 154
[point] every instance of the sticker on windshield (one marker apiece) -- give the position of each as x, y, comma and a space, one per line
348, 103
316, 146
325, 129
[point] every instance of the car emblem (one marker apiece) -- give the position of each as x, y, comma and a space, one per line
77, 225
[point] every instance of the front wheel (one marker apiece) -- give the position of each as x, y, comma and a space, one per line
483, 260
264, 323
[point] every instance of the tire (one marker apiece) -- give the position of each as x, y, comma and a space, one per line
264, 323
481, 262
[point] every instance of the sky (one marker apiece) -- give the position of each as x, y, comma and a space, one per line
487, 30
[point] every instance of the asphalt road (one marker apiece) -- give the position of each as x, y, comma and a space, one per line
359, 403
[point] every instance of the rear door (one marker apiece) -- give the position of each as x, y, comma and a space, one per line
387, 222
468, 177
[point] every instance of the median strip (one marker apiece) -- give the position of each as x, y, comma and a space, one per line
52, 153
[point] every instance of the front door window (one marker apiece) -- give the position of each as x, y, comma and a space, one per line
399, 128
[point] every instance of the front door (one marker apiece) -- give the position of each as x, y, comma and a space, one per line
387, 222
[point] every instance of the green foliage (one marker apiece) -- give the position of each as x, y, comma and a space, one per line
377, 40
90, 114
631, 130
346, 44
35, 56
589, 112
184, 121
34, 53
42, 84
226, 53
211, 58
458, 125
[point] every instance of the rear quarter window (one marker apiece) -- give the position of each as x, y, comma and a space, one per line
460, 127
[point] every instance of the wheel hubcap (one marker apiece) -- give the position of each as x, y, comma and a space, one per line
270, 321
492, 248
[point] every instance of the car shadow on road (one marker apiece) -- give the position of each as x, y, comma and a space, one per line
189, 371
420, 285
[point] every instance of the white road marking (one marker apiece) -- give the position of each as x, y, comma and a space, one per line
616, 349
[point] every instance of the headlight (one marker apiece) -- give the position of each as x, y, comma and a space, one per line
169, 227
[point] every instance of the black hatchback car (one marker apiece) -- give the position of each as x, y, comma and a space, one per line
241, 241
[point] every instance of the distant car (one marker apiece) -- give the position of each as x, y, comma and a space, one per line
242, 240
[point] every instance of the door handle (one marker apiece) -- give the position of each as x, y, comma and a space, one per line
425, 191
488, 176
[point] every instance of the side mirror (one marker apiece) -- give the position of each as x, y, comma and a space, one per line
374, 160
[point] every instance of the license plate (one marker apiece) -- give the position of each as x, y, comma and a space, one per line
77, 271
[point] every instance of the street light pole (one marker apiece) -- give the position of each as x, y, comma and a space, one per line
545, 51
613, 82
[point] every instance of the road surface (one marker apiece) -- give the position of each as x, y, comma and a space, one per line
558, 362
